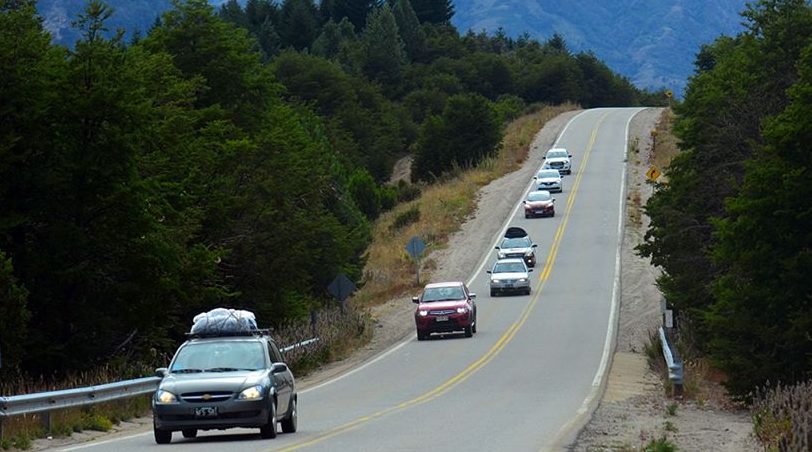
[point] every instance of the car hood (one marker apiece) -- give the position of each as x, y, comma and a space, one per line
538, 204
513, 275
549, 179
212, 381
441, 305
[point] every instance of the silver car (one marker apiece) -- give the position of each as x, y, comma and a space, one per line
517, 243
510, 275
227, 381
549, 180
558, 159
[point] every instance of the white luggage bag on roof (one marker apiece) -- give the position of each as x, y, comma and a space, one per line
224, 321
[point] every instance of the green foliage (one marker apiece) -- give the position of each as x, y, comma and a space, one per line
466, 132
734, 257
414, 38
14, 316
671, 409
363, 190
384, 51
660, 445
298, 23
781, 416
433, 11
405, 218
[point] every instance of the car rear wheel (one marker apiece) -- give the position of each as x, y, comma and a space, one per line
268, 430
189, 432
161, 436
289, 424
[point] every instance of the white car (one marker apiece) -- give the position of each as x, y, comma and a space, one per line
558, 159
549, 180
510, 275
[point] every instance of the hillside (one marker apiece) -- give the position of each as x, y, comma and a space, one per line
652, 42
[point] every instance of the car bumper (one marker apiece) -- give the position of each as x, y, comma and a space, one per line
539, 213
506, 287
551, 188
435, 324
230, 414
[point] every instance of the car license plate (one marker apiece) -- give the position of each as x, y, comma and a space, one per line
206, 411
442, 318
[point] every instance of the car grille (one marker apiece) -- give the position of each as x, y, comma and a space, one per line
192, 417
514, 255
557, 164
443, 312
206, 397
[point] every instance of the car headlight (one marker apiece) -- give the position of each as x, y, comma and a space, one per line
165, 397
501, 255
522, 279
496, 281
462, 310
252, 393
423, 313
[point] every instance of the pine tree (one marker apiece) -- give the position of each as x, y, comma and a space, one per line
385, 56
414, 38
298, 23
433, 11
356, 11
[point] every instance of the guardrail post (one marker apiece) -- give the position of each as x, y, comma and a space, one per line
2, 418
45, 420
675, 374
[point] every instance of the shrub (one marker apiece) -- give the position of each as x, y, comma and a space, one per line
405, 218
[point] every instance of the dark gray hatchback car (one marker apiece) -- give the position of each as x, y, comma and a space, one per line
224, 381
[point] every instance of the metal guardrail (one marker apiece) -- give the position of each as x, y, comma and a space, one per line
44, 402
674, 365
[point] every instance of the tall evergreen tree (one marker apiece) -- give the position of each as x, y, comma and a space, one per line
356, 11
298, 23
385, 57
433, 11
414, 38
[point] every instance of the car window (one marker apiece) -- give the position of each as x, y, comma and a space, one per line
518, 242
556, 154
219, 355
442, 294
549, 173
539, 197
276, 356
508, 267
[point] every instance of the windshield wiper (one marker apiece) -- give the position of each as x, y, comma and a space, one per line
185, 371
224, 369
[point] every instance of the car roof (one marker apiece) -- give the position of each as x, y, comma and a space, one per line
244, 338
558, 149
539, 192
443, 284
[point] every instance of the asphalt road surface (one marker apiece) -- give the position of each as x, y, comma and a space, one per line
531, 375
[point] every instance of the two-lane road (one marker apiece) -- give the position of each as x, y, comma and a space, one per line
529, 376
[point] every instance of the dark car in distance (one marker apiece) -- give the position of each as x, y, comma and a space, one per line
445, 307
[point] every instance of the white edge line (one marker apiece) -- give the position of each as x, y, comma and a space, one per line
610, 331
92, 443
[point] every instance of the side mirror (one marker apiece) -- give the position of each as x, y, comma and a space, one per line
279, 367
535, 177
544, 157
553, 200
472, 295
534, 245
524, 202
569, 155
529, 270
489, 272
496, 248
161, 372
415, 300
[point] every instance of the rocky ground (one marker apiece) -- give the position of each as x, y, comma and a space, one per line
634, 408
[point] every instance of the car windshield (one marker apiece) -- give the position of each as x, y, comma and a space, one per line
556, 154
539, 196
219, 356
442, 294
509, 267
549, 173
518, 242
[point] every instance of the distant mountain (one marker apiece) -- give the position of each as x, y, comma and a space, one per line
652, 42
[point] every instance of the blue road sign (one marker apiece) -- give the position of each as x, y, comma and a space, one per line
341, 287
415, 247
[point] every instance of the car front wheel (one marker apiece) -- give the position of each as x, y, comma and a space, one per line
161, 436
268, 430
189, 432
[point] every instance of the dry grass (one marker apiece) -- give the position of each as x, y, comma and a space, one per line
443, 207
782, 417
665, 147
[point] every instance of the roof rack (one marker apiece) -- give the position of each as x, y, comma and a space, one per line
245, 333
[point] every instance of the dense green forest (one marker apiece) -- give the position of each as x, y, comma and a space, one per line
732, 228
232, 157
